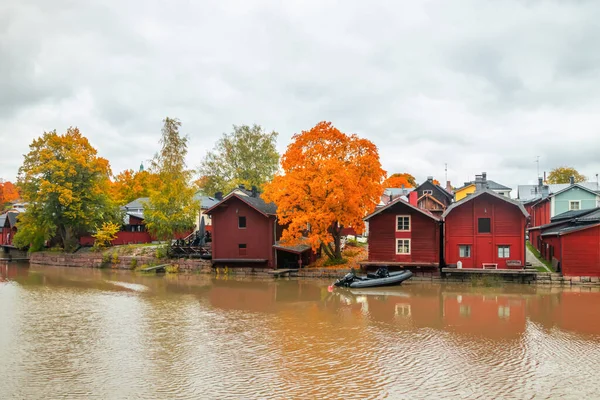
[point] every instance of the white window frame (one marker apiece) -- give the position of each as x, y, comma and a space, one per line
505, 251
468, 246
571, 202
409, 223
409, 247
428, 191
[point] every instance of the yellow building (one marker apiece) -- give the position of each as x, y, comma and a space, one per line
464, 191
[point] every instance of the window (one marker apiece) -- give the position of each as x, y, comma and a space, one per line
464, 311
503, 251
503, 311
242, 249
403, 310
428, 191
402, 222
574, 205
464, 251
241, 222
484, 225
402, 246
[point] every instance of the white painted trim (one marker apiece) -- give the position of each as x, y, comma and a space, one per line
409, 223
409, 247
498, 248
470, 246
552, 206
574, 201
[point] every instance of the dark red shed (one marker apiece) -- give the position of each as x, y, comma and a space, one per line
401, 234
573, 244
244, 231
485, 230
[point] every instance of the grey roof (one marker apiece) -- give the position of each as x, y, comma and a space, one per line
206, 202
576, 185
137, 203
255, 202
571, 214
492, 185
2, 220
590, 217
488, 192
563, 231
12, 218
403, 202
398, 191
528, 192
299, 248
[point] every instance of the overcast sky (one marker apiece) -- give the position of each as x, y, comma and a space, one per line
479, 85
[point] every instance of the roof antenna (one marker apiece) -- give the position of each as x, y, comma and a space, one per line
446, 171
537, 161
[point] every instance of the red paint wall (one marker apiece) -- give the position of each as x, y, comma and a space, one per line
258, 234
581, 253
424, 235
507, 228
540, 213
551, 247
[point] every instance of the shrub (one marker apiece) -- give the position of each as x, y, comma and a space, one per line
172, 269
336, 261
133, 263
106, 234
115, 258
161, 252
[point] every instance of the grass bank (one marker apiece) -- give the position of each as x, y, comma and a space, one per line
548, 265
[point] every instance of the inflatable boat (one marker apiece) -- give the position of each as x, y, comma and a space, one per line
380, 278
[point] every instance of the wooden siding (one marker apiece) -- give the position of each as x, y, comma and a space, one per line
507, 224
424, 235
258, 236
561, 201
581, 253
437, 192
540, 213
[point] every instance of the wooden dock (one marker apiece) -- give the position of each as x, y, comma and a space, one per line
282, 272
482, 271
155, 268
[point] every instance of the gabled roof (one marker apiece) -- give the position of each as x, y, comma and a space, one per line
466, 185
403, 202
432, 198
492, 185
246, 196
488, 192
2, 220
440, 189
206, 202
528, 192
576, 185
137, 203
11, 216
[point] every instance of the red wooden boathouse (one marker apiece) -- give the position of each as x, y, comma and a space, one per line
573, 244
245, 233
401, 234
485, 230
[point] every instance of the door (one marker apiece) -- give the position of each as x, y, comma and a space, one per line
484, 252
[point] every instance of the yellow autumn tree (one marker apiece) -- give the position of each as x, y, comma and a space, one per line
106, 234
66, 185
330, 180
563, 175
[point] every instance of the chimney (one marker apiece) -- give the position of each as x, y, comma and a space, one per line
544, 176
219, 196
430, 179
572, 180
413, 197
449, 187
391, 197
254, 191
242, 186
480, 182
540, 182
484, 176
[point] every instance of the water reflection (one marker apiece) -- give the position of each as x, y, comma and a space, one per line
114, 334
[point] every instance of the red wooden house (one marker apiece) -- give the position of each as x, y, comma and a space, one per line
485, 230
572, 242
245, 233
401, 234
9, 227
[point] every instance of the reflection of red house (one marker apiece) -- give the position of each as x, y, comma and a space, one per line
485, 229
493, 315
567, 310
402, 234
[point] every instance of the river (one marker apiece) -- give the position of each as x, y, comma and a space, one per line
101, 334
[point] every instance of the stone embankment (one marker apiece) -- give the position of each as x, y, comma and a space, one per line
97, 260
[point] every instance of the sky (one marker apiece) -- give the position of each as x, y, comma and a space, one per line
472, 84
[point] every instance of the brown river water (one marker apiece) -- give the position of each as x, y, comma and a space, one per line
69, 333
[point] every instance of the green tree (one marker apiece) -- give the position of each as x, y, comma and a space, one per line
246, 156
172, 208
563, 175
66, 185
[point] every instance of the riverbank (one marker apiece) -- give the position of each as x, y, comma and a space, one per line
117, 260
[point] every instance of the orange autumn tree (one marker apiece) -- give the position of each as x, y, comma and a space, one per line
8, 193
330, 180
400, 180
129, 185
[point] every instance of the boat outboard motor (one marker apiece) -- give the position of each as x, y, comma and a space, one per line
346, 280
